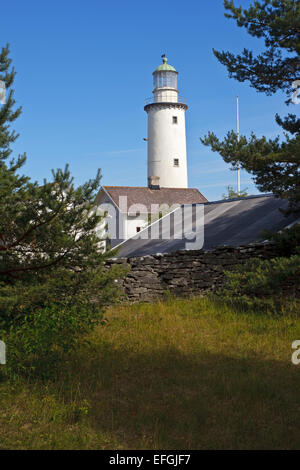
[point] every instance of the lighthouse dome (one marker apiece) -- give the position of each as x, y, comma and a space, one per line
165, 67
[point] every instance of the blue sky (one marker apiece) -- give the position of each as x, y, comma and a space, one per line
85, 69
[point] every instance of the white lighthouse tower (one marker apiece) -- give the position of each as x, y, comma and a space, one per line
167, 166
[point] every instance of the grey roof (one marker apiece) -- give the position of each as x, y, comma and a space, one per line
233, 222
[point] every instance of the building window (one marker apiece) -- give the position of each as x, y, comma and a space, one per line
176, 161
138, 229
175, 121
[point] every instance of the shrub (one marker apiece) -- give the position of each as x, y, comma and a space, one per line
287, 241
40, 342
66, 288
270, 285
42, 321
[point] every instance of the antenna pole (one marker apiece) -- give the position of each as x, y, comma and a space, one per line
238, 139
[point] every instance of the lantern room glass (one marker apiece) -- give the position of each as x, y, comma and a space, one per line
165, 79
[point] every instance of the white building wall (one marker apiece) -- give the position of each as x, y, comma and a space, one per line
116, 225
114, 221
167, 142
134, 222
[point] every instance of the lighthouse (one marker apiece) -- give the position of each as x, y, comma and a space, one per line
167, 165
128, 207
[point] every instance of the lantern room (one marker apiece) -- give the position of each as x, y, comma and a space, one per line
165, 82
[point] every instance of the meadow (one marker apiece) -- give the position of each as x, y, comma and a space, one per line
179, 374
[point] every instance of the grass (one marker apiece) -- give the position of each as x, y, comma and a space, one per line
180, 374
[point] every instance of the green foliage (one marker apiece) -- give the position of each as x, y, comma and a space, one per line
45, 226
7, 113
38, 344
269, 285
278, 23
231, 193
274, 163
42, 227
65, 288
43, 321
53, 280
287, 241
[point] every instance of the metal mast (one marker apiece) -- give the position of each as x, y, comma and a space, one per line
238, 139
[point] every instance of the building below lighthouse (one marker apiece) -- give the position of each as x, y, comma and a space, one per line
130, 209
167, 165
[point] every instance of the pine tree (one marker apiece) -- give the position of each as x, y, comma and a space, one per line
231, 193
49, 249
274, 163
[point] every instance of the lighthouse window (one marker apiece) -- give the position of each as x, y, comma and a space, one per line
138, 229
165, 79
175, 120
176, 161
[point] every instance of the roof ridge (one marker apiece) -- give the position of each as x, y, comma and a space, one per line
252, 196
146, 187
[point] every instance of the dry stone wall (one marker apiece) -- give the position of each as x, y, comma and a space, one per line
183, 273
